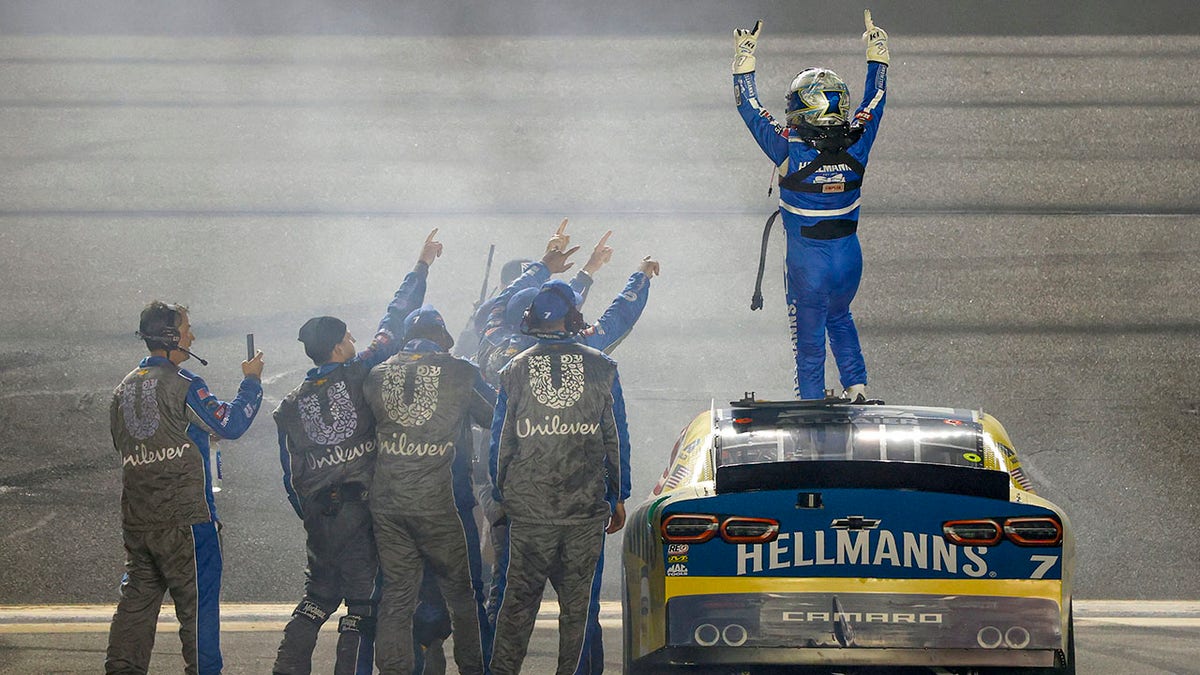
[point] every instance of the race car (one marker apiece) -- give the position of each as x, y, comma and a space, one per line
810, 535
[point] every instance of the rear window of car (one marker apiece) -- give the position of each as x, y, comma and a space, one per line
934, 441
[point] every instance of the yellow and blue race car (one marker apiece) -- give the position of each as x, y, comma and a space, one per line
863, 537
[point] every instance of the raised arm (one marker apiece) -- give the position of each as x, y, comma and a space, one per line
624, 311
767, 132
600, 256
226, 419
389, 337
555, 260
870, 111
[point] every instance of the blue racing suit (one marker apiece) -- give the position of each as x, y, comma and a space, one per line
824, 258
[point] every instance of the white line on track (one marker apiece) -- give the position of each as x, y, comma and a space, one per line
270, 617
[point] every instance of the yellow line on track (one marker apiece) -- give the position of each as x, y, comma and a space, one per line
271, 618
235, 618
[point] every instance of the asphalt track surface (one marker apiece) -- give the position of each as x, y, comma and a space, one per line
1029, 228
1111, 637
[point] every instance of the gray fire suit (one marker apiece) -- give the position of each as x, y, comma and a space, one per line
557, 465
327, 451
161, 418
330, 472
422, 398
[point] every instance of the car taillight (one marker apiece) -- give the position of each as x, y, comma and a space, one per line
697, 528
972, 532
687, 528
1033, 531
1024, 531
741, 530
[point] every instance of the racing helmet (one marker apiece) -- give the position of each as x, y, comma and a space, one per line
818, 98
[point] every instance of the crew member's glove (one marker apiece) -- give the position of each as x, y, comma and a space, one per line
744, 42
876, 39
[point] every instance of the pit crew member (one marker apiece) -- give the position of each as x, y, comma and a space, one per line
327, 450
161, 419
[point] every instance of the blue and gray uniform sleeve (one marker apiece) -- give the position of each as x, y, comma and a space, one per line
616, 455
483, 402
621, 315
390, 335
767, 132
285, 460
622, 439
227, 420
498, 418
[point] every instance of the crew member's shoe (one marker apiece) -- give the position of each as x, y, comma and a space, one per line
857, 393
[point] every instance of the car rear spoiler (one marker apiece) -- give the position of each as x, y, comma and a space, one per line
865, 474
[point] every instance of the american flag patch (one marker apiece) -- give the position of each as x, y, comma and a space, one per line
1019, 476
677, 476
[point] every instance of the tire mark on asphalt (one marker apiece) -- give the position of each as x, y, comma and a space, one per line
42, 522
36, 477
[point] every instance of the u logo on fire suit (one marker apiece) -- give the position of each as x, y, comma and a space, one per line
343, 417
416, 410
139, 407
541, 380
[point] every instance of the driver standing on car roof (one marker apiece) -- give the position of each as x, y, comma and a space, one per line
821, 157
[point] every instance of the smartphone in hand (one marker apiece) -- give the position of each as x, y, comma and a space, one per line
249, 346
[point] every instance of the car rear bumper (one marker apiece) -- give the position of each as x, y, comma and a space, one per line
793, 656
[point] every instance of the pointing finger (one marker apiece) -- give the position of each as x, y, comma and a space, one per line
604, 239
561, 227
431, 235
867, 20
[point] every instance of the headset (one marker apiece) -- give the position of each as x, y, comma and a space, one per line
573, 323
167, 335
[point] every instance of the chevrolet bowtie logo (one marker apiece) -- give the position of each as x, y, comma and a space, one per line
855, 523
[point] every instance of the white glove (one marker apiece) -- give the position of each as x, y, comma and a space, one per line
876, 39
744, 42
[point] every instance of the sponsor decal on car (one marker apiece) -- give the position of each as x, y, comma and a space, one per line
862, 617
677, 570
872, 548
